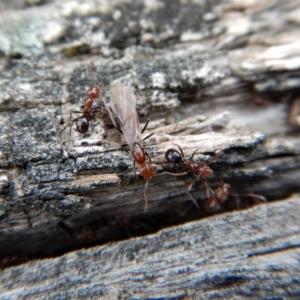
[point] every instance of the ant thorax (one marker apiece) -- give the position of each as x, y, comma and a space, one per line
138, 153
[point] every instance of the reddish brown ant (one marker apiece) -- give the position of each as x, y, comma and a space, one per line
200, 169
219, 196
123, 105
222, 193
82, 122
88, 113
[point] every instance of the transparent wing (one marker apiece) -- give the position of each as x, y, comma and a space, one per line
123, 105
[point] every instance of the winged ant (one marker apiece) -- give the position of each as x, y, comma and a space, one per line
123, 105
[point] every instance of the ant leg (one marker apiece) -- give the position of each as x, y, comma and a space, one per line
148, 157
95, 111
69, 124
173, 174
134, 168
145, 196
71, 114
191, 158
182, 213
70, 134
112, 86
180, 151
61, 131
193, 199
64, 128
261, 198
90, 121
74, 112
192, 183
147, 137
208, 188
204, 182
120, 130
145, 126
90, 67
218, 154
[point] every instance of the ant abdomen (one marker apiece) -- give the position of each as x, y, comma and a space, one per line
82, 124
173, 156
147, 171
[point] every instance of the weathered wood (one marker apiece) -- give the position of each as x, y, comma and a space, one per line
212, 76
251, 253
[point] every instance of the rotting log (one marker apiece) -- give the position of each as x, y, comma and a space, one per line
213, 76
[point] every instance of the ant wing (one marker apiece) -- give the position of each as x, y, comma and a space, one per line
123, 105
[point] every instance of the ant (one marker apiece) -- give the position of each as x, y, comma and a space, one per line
222, 193
83, 122
219, 196
123, 105
200, 169
88, 113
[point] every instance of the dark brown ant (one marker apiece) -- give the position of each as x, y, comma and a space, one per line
200, 169
223, 193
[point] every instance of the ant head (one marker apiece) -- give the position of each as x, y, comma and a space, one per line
205, 170
212, 204
93, 92
147, 171
173, 156
82, 124
223, 191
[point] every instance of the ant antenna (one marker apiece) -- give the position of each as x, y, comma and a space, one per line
217, 155
90, 70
